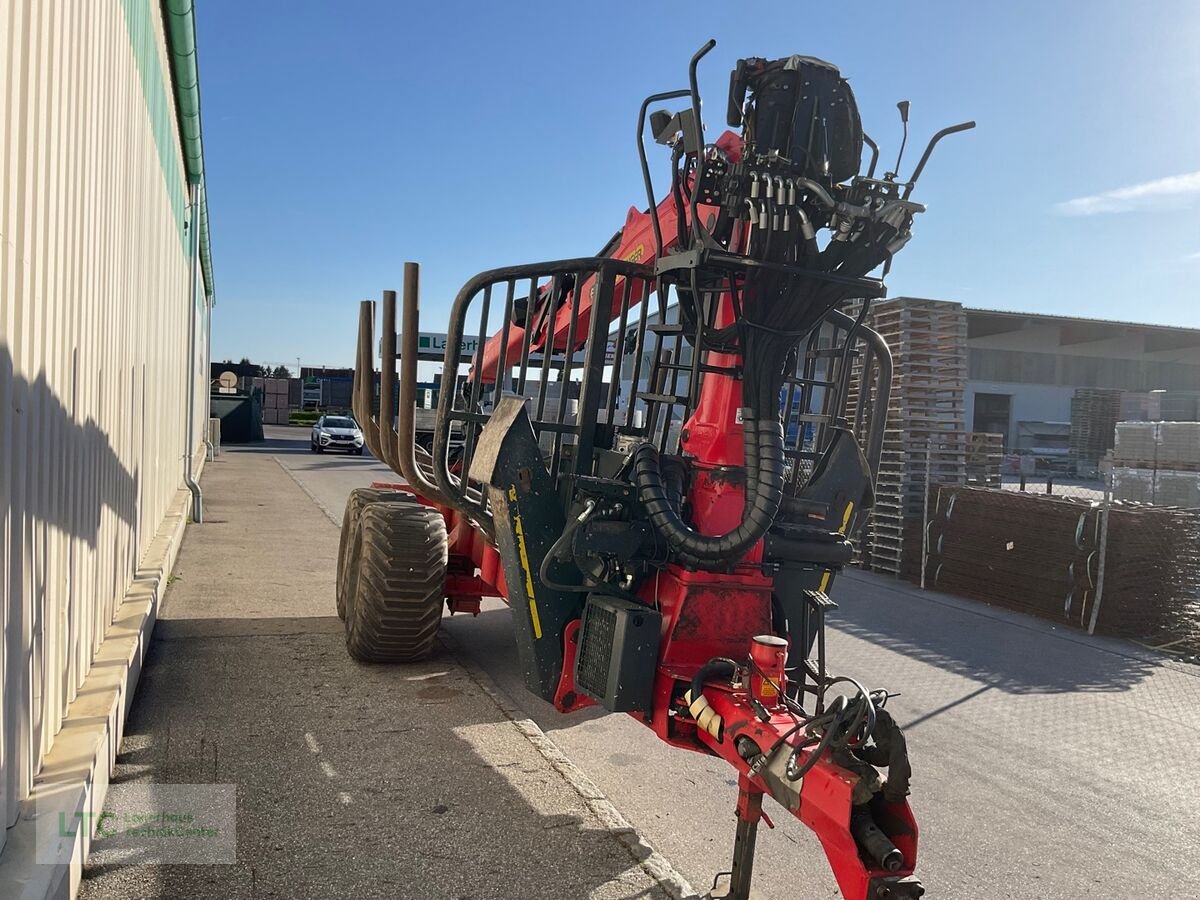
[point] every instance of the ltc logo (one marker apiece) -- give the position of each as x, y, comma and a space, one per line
105, 823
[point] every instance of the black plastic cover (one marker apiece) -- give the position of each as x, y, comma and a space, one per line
805, 110
618, 653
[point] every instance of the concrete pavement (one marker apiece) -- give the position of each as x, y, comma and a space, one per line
1048, 765
352, 781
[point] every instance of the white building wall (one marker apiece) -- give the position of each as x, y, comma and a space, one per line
1030, 403
94, 301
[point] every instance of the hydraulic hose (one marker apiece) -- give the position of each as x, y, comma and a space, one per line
871, 838
763, 442
674, 476
706, 717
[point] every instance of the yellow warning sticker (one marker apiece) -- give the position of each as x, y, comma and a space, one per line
524, 556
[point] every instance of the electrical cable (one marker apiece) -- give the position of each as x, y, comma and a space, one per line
557, 548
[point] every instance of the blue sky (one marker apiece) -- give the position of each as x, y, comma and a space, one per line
342, 139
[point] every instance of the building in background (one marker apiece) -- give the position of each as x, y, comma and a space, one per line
105, 293
1023, 369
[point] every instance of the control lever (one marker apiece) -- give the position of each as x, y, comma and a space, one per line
953, 129
903, 107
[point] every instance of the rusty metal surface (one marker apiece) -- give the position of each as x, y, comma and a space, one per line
1040, 554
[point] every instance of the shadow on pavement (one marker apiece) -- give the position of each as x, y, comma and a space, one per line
276, 447
352, 780
487, 640
1013, 653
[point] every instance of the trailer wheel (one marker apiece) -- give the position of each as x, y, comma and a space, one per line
359, 497
396, 572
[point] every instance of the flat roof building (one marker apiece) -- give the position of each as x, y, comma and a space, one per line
1024, 368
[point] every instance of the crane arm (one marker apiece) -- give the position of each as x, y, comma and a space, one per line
635, 242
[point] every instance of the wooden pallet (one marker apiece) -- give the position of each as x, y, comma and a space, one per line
925, 435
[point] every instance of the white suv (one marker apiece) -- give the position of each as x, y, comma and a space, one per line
336, 433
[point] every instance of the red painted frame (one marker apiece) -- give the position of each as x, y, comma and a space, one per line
705, 614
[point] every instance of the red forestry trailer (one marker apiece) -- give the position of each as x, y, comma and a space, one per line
666, 517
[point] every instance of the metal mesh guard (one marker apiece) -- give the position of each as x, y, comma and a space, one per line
595, 649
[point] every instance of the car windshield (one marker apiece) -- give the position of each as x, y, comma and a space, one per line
335, 422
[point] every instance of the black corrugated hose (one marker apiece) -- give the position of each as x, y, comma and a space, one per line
778, 311
763, 442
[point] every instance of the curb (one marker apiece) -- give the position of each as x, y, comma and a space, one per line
73, 780
653, 863
337, 522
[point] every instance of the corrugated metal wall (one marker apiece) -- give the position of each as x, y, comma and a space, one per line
94, 279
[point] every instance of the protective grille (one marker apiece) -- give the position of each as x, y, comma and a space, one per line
621, 361
595, 650
549, 349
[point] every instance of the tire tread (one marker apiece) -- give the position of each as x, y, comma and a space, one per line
400, 584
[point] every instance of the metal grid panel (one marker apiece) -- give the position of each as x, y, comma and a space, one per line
636, 372
538, 327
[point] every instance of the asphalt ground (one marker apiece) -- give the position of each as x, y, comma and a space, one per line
352, 781
1048, 765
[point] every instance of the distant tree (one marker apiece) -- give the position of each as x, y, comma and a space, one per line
281, 372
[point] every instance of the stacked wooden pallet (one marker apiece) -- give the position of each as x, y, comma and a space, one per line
858, 395
1179, 444
1094, 416
925, 440
1136, 444
1179, 406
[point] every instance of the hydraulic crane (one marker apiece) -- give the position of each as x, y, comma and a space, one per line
662, 457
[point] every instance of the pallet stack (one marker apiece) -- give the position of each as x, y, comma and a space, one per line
1179, 406
1141, 406
1094, 416
926, 440
1179, 444
274, 400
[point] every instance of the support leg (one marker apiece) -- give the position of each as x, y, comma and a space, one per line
749, 811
